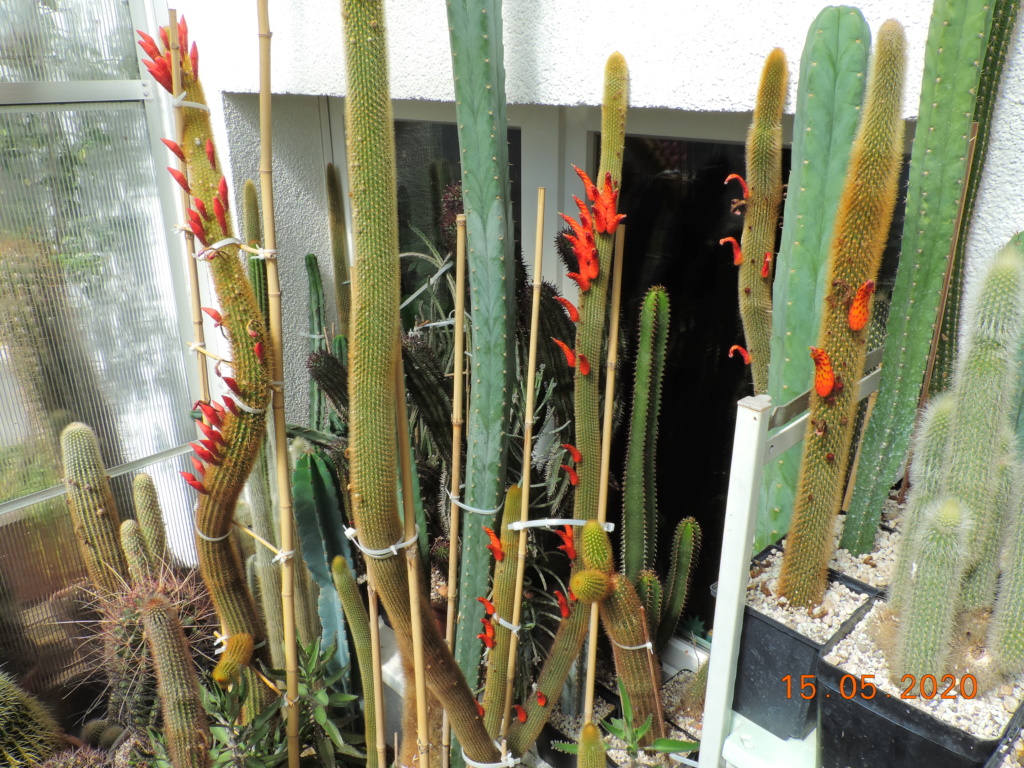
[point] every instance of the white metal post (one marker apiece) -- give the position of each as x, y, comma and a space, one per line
752, 414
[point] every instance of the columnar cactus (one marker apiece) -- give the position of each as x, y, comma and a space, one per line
140, 565
339, 248
1006, 632
861, 230
92, 507
591, 752
185, 725
763, 195
150, 517
685, 546
28, 733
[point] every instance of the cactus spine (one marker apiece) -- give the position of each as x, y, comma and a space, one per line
92, 508
685, 546
28, 734
832, 76
185, 725
375, 332
861, 229
957, 38
591, 752
764, 182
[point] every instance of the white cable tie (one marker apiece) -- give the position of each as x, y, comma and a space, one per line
474, 510
513, 628
181, 229
204, 537
314, 336
648, 645
260, 644
553, 522
381, 554
677, 758
179, 101
438, 324
281, 557
220, 643
244, 407
508, 762
276, 383
263, 253
195, 345
201, 255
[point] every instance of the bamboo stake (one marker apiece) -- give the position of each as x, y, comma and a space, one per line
284, 490
378, 677
198, 333
412, 563
606, 458
524, 507
455, 515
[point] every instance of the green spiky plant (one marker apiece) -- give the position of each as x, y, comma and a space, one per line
151, 518
339, 248
957, 40
762, 193
833, 66
859, 237
28, 733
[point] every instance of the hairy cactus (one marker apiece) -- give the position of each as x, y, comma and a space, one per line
150, 517
763, 194
185, 725
339, 247
861, 230
92, 508
590, 585
140, 565
28, 734
685, 546
591, 752
1006, 630
237, 654
78, 758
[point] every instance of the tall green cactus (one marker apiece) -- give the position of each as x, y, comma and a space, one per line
185, 725
957, 39
859, 237
151, 518
763, 194
685, 546
828, 105
317, 340
339, 248
92, 508
141, 567
28, 733
591, 752
1006, 631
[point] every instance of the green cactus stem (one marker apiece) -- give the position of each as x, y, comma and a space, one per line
141, 567
639, 498
339, 248
591, 752
833, 68
763, 194
374, 330
151, 518
861, 230
1006, 630
685, 546
92, 508
595, 548
252, 231
590, 585
237, 654
957, 39
185, 725
28, 733
648, 589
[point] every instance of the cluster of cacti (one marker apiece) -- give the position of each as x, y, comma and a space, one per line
79, 758
28, 733
762, 196
957, 41
859, 237
833, 66
234, 429
966, 490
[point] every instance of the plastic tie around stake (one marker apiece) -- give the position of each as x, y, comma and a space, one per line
201, 255
475, 510
553, 522
220, 643
508, 762
381, 554
281, 557
179, 101
195, 346
648, 645
513, 628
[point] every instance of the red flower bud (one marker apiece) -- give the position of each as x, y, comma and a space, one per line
193, 56
182, 35
164, 39
257, 349
231, 384
860, 309
200, 469
480, 709
495, 545
230, 405
542, 700
214, 315
567, 545
563, 604
570, 356
743, 184
210, 432
766, 265
222, 190
488, 641
204, 454
520, 713
191, 480
218, 211
737, 254
574, 479
148, 44
199, 231
158, 69
211, 446
210, 413
174, 147
211, 154
201, 207
824, 378
574, 452
574, 314
584, 364
179, 177
742, 352
488, 605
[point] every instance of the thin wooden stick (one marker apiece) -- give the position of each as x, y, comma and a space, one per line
606, 458
524, 507
247, 530
284, 489
412, 561
378, 677
198, 334
455, 515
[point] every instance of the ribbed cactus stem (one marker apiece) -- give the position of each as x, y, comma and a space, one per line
185, 725
929, 612
237, 655
252, 231
28, 733
648, 589
591, 752
859, 238
1006, 630
150, 517
374, 330
639, 498
761, 222
359, 625
685, 546
590, 585
92, 507
336, 230
141, 566
596, 547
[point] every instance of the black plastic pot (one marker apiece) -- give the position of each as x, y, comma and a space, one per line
770, 651
886, 732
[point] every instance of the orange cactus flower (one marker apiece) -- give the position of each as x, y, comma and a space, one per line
520, 713
179, 177
542, 700
766, 265
174, 147
148, 44
742, 352
737, 254
480, 709
574, 479
583, 245
570, 356
565, 534
495, 545
574, 452
488, 627
189, 478
584, 364
606, 220
743, 184
488, 605
211, 155
824, 377
574, 314
860, 309
563, 604
488, 641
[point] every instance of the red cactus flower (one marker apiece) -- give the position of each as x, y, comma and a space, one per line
189, 478
211, 154
148, 44
204, 454
231, 384
589, 187
211, 414
572, 595
211, 433
487, 639
182, 35
520, 713
495, 545
211, 446
574, 452
742, 352
174, 147
488, 605
230, 405
199, 231
565, 534
542, 700
574, 314
860, 309
583, 245
199, 466
570, 356
563, 604
743, 184
480, 709
200, 206
160, 73
164, 39
574, 479
193, 56
605, 218
222, 190
824, 377
214, 315
584, 364
488, 627
766, 265
218, 211
257, 350
179, 177
737, 254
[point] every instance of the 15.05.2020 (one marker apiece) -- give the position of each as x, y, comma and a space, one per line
927, 688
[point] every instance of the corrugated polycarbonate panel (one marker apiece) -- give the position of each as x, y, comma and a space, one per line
87, 315
66, 40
